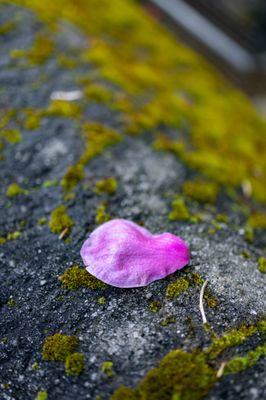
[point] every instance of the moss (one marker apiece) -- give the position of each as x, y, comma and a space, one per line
62, 108
32, 119
108, 185
60, 220
13, 235
35, 366
155, 306
179, 210
98, 93
49, 183
12, 136
58, 347
107, 368
196, 279
7, 27
202, 191
174, 289
238, 364
257, 220
73, 176
2, 240
101, 214
222, 218
168, 321
42, 221
262, 265
42, 395
40, 51
249, 234
75, 364
124, 393
210, 299
76, 277
245, 253
101, 301
14, 190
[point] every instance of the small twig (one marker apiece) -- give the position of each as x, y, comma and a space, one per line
221, 370
204, 319
63, 234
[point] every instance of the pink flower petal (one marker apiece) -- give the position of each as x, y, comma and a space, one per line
123, 254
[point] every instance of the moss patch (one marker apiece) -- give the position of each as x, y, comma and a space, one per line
58, 347
179, 210
42, 395
202, 191
262, 265
174, 289
238, 364
75, 364
107, 368
14, 190
12, 136
76, 277
60, 220
101, 215
108, 185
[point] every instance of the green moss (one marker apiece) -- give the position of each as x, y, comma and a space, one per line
168, 321
62, 108
42, 395
76, 277
249, 234
155, 306
98, 93
101, 214
245, 253
222, 218
73, 176
2, 240
11, 302
108, 185
40, 51
14, 190
42, 221
174, 289
47, 184
210, 299
125, 393
32, 119
196, 279
58, 347
179, 210
202, 191
6, 28
60, 220
257, 220
102, 300
238, 364
13, 235
12, 136
107, 368
262, 265
75, 364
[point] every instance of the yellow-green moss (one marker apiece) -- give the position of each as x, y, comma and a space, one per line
108, 185
42, 221
60, 220
257, 220
76, 277
12, 136
262, 265
75, 364
249, 234
107, 368
155, 306
174, 289
196, 279
179, 210
168, 321
73, 176
62, 108
7, 27
101, 214
202, 191
32, 119
2, 240
238, 364
13, 235
40, 51
14, 190
102, 300
98, 93
57, 347
42, 395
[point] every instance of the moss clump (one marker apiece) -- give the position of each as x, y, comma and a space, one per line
98, 93
57, 347
155, 306
14, 190
75, 364
174, 289
42, 395
108, 185
40, 51
210, 299
179, 211
42, 221
60, 220
2, 240
73, 176
76, 277
168, 321
13, 235
238, 364
124, 393
101, 214
262, 265
12, 136
107, 368
196, 279
62, 108
102, 300
6, 28
257, 220
32, 119
249, 234
201, 191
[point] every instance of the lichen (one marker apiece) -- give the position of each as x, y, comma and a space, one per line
108, 185
101, 215
42, 395
179, 211
14, 190
107, 368
201, 191
60, 220
174, 289
76, 277
262, 265
75, 364
58, 347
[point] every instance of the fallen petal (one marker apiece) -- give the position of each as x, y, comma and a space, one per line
123, 254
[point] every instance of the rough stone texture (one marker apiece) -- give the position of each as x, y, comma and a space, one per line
124, 330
